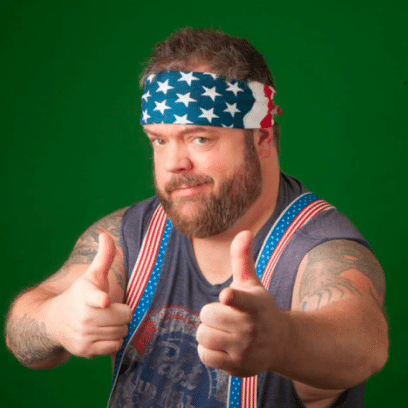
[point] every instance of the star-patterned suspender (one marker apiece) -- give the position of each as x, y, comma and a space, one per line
145, 276
243, 391
146, 273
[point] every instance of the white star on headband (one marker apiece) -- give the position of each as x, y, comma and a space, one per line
164, 86
208, 114
188, 77
185, 98
161, 106
182, 120
210, 92
150, 77
146, 116
232, 109
146, 96
234, 88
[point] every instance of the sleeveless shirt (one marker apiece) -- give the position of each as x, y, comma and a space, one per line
161, 367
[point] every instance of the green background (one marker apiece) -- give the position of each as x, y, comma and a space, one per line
72, 149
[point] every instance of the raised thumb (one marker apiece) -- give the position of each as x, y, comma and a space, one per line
242, 262
98, 271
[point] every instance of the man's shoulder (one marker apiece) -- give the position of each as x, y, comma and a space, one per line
328, 225
332, 225
138, 216
141, 209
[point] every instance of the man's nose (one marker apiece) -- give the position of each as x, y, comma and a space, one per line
177, 159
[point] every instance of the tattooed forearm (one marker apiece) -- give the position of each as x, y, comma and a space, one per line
29, 341
325, 278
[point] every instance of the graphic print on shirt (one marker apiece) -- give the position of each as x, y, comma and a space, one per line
161, 367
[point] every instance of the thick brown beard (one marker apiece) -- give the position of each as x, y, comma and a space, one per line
220, 212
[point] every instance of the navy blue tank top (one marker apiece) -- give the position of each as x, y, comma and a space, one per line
161, 367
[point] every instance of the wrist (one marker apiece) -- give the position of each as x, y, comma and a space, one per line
51, 320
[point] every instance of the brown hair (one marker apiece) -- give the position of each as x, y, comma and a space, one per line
233, 57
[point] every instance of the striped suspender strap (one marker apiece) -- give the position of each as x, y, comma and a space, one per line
146, 273
145, 276
243, 391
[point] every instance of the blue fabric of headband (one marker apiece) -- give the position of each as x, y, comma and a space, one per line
207, 99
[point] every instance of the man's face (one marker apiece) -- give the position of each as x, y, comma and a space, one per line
206, 177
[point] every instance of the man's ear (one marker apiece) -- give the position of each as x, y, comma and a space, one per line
264, 142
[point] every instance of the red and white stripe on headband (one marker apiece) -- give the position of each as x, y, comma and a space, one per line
264, 109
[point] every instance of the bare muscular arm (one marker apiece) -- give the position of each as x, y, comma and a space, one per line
85, 250
342, 283
31, 331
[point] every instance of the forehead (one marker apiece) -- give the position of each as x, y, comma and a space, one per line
184, 130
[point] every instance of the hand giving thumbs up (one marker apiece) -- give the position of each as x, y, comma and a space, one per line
85, 321
240, 333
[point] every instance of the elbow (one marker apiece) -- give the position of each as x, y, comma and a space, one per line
381, 356
35, 359
378, 351
383, 348
369, 356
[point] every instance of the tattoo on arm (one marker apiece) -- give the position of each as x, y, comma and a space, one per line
29, 341
324, 277
86, 247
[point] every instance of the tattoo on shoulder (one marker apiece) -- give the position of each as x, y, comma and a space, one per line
324, 279
86, 247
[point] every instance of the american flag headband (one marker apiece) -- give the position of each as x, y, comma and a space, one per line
206, 99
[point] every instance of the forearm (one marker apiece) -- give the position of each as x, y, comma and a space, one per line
334, 348
27, 335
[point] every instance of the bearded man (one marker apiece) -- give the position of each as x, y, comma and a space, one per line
235, 286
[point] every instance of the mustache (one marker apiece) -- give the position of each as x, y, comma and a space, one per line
188, 180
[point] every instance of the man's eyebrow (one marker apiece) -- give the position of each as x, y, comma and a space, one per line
187, 131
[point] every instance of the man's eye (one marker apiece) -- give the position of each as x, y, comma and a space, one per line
201, 140
157, 142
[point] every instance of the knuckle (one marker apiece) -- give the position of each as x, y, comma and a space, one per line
208, 311
203, 312
199, 333
83, 349
119, 345
202, 353
84, 323
250, 329
236, 357
124, 332
90, 356
129, 316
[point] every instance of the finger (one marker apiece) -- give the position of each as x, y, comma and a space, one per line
242, 262
221, 316
214, 339
214, 358
105, 348
240, 300
106, 333
97, 273
96, 298
116, 315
